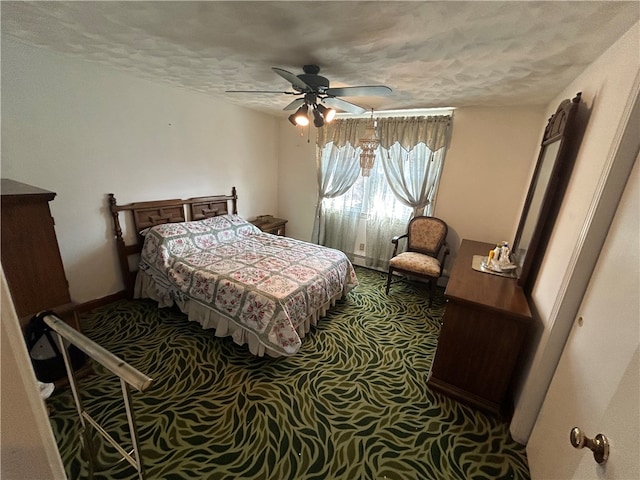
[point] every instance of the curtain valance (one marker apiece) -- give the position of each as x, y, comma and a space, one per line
341, 131
407, 131
410, 131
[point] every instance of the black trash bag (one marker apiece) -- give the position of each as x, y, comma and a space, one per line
44, 351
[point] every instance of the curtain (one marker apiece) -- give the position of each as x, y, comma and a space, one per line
411, 153
338, 167
412, 157
385, 216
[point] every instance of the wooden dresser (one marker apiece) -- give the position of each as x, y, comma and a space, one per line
30, 256
485, 325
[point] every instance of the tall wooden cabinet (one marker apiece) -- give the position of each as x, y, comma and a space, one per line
30, 255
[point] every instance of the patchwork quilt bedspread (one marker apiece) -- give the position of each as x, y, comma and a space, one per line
272, 286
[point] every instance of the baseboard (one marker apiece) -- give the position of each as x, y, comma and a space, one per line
361, 261
100, 302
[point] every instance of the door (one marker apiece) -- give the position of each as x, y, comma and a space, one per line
596, 384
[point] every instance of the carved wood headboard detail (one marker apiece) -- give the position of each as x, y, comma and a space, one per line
151, 213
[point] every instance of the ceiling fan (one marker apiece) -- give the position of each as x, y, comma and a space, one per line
314, 92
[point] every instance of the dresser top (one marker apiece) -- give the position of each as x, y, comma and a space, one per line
484, 289
11, 188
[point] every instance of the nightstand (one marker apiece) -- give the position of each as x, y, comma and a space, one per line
269, 224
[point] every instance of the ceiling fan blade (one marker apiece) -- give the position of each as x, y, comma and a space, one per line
340, 104
295, 104
293, 80
261, 91
363, 91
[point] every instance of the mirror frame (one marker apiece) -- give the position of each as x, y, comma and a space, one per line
559, 129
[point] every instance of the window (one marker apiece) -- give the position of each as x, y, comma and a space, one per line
370, 195
403, 182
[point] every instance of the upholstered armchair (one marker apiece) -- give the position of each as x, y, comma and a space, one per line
425, 252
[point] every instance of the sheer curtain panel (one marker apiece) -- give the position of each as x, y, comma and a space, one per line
412, 151
338, 167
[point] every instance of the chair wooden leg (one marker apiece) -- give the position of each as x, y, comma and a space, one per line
389, 281
432, 290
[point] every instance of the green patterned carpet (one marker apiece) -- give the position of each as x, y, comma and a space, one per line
352, 404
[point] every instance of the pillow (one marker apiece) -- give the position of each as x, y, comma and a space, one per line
219, 229
223, 222
224, 228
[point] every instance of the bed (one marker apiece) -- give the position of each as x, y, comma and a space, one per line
264, 291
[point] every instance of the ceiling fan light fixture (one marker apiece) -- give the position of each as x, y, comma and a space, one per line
301, 116
327, 113
318, 120
292, 119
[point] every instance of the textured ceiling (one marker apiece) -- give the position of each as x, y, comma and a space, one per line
432, 54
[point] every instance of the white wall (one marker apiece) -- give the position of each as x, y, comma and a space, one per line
606, 86
298, 187
487, 171
83, 130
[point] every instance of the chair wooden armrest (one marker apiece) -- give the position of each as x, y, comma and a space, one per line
397, 238
395, 241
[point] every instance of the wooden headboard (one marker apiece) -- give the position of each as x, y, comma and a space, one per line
148, 214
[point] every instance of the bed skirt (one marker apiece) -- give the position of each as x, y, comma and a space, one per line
145, 287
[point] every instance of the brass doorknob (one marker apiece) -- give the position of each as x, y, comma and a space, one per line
599, 445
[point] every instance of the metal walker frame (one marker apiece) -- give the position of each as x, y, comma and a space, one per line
129, 377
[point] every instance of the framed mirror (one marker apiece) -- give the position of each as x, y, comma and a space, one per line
548, 182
